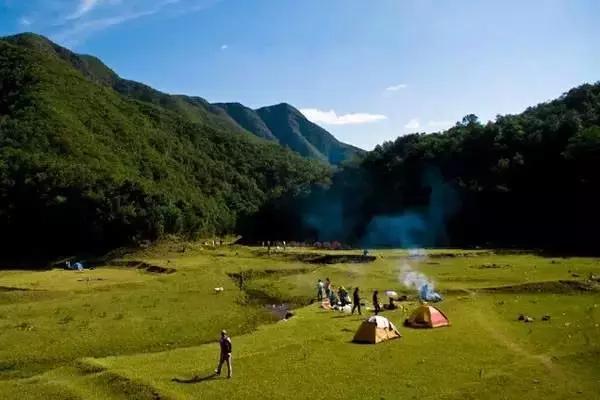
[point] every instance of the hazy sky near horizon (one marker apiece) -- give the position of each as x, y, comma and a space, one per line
366, 70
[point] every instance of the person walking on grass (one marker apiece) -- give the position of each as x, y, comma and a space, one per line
356, 301
225, 343
376, 307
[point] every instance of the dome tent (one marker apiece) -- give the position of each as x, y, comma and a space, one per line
376, 329
427, 316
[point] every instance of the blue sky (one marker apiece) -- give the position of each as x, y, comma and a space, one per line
366, 70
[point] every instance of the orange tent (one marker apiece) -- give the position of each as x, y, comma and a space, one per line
376, 329
427, 316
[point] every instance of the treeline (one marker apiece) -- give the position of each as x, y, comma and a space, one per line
530, 180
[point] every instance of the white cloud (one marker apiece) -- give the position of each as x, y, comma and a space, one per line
96, 15
413, 125
332, 118
224, 47
395, 88
73, 35
84, 7
25, 21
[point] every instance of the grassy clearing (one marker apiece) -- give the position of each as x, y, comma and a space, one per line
122, 333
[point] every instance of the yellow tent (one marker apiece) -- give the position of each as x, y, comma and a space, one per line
426, 316
376, 329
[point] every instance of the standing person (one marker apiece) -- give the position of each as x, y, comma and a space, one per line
333, 300
320, 290
327, 286
356, 300
376, 302
225, 357
342, 295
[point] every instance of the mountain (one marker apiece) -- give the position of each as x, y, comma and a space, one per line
248, 119
287, 126
89, 160
281, 123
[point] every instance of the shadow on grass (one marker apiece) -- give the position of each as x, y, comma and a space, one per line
195, 379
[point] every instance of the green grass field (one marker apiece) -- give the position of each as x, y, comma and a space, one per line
123, 333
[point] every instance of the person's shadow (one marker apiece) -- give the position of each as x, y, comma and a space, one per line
195, 378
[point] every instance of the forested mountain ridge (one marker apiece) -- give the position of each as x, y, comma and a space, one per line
525, 180
195, 109
84, 166
248, 119
287, 126
291, 129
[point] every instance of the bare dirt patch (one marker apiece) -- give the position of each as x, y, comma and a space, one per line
155, 269
13, 289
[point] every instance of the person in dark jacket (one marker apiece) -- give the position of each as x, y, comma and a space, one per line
225, 344
376, 307
327, 286
356, 301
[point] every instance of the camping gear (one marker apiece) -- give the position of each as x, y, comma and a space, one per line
427, 316
391, 293
376, 329
347, 308
325, 304
426, 293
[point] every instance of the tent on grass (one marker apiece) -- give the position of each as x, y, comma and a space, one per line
376, 329
427, 316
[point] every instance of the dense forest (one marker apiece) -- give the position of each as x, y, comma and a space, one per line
90, 161
530, 180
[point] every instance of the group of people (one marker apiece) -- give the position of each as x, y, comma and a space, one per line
77, 266
277, 245
325, 290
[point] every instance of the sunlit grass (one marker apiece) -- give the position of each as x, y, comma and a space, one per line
120, 333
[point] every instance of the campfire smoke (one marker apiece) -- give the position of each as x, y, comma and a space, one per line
417, 280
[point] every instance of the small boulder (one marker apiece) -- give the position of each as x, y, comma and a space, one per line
528, 319
546, 317
521, 317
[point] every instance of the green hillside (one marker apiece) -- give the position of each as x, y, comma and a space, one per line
286, 125
282, 123
248, 119
88, 159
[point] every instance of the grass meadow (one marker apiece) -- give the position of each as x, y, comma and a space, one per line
125, 333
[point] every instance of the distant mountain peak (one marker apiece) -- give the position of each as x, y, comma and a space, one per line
285, 124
